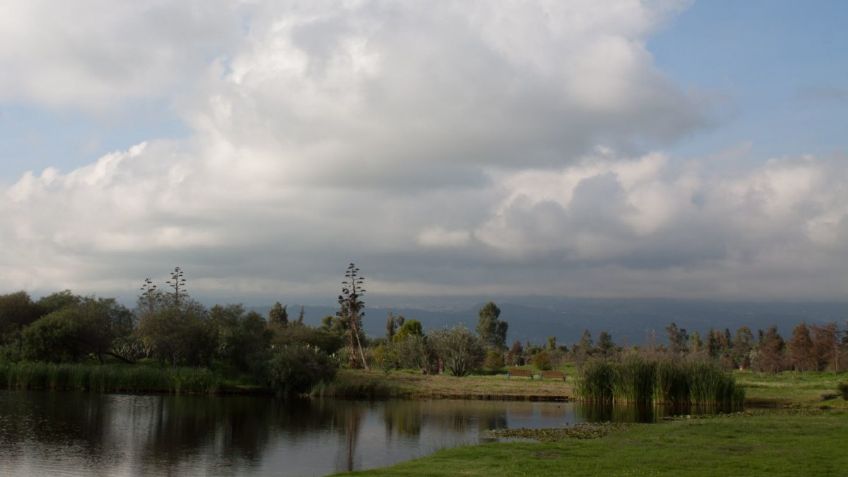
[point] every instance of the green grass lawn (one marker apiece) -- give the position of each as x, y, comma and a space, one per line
773, 443
790, 388
805, 436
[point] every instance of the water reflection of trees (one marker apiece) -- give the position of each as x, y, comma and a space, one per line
169, 435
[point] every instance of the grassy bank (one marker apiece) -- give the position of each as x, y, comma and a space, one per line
793, 389
111, 378
766, 444
414, 385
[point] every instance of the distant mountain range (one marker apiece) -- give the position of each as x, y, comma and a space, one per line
630, 321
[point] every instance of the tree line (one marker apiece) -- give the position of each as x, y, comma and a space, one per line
168, 327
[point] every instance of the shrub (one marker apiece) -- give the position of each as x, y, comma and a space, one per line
843, 388
295, 369
542, 361
460, 350
494, 360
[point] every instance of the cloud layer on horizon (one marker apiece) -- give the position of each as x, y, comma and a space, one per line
466, 148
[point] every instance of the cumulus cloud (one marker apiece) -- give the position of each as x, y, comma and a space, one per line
500, 147
99, 54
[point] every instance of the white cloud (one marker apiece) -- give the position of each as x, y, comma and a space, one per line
468, 146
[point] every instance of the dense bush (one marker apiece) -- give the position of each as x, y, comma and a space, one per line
460, 350
85, 327
296, 369
494, 360
843, 388
179, 335
326, 339
243, 339
542, 360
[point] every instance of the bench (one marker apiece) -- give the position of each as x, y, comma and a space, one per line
518, 372
553, 375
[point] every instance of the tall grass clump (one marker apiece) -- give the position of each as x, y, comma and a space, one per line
672, 383
634, 380
638, 380
596, 381
107, 378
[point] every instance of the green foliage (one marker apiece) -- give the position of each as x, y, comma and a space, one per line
179, 334
409, 328
327, 338
459, 349
297, 369
278, 315
243, 339
79, 328
645, 381
494, 360
107, 378
491, 329
843, 389
16, 311
542, 361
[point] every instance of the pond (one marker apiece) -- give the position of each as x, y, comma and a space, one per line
153, 435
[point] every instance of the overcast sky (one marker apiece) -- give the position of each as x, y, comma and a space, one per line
577, 148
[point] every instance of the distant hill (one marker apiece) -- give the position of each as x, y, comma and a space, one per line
630, 321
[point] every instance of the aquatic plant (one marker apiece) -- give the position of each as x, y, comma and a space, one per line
640, 380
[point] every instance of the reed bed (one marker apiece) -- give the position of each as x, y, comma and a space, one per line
638, 380
108, 378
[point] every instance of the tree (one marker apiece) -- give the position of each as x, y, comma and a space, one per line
677, 339
826, 346
391, 326
179, 335
515, 357
278, 315
56, 301
551, 343
801, 355
16, 311
491, 329
409, 328
243, 338
743, 344
89, 327
459, 349
351, 312
770, 351
583, 349
606, 347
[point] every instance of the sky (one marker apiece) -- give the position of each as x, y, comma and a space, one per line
576, 148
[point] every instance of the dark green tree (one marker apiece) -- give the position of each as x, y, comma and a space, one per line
490, 327
278, 315
606, 346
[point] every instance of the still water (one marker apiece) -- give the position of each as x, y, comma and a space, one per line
66, 434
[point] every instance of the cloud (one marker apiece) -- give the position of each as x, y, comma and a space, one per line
97, 55
501, 147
